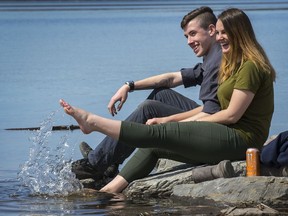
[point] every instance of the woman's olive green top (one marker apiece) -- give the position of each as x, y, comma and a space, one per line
255, 123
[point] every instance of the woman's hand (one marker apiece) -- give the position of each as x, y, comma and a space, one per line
157, 121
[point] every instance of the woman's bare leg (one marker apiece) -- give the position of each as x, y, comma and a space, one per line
89, 122
117, 185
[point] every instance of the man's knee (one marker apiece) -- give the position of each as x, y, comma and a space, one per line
159, 93
147, 104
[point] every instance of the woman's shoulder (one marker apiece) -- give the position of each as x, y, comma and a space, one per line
249, 68
249, 63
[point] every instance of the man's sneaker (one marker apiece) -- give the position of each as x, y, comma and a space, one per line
85, 149
84, 170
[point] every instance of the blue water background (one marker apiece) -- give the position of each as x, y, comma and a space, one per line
84, 51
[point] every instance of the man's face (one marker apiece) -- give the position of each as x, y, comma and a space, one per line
199, 39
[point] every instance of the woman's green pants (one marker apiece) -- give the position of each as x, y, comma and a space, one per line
188, 142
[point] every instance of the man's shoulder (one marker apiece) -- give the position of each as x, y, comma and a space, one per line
213, 59
215, 51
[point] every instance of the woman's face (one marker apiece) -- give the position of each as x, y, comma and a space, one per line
222, 37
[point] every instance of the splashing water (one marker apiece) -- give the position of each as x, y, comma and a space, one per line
47, 171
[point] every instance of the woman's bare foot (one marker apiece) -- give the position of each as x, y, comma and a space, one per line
81, 116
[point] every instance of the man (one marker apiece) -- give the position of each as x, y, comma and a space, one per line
163, 104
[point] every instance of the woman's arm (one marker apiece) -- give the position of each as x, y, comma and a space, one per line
239, 102
176, 117
196, 117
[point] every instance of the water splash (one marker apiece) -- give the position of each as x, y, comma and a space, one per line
48, 171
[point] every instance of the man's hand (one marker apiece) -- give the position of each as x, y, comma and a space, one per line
120, 96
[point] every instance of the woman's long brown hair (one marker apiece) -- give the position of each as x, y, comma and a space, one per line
243, 45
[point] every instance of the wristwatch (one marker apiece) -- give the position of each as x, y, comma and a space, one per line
131, 85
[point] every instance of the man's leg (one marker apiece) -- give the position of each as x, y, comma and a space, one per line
173, 98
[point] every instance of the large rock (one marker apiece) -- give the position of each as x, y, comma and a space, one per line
236, 191
174, 179
160, 184
167, 174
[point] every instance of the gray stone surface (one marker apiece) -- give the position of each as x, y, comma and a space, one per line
160, 184
237, 191
167, 174
258, 195
240, 195
260, 209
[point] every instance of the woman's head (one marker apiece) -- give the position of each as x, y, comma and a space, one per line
236, 36
238, 28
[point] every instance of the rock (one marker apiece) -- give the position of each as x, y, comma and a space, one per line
165, 165
167, 174
237, 191
158, 185
243, 195
261, 209
174, 180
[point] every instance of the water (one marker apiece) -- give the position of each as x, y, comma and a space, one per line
83, 52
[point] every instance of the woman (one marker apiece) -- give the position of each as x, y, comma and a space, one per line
247, 102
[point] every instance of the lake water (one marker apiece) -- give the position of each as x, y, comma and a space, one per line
83, 52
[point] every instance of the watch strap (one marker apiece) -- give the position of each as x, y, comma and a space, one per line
131, 85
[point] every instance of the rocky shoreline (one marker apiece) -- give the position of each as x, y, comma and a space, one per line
240, 195
266, 194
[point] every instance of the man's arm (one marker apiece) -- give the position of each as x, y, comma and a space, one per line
168, 80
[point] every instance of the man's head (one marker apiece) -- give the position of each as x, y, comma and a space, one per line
199, 29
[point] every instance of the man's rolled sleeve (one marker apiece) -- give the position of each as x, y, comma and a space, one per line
192, 76
211, 107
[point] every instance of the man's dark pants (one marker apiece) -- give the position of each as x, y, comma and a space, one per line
160, 103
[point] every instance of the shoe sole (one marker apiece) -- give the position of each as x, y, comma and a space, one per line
228, 171
85, 149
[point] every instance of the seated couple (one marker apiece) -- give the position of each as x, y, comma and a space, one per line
236, 80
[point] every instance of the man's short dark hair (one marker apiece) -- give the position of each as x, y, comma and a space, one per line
204, 14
